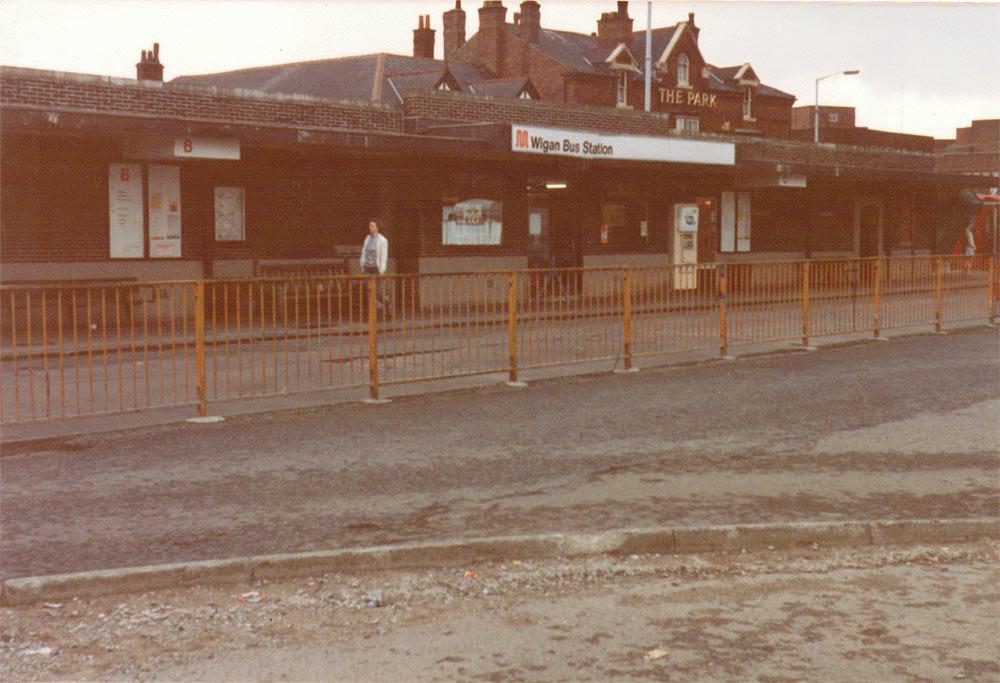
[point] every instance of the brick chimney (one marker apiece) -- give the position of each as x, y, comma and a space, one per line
691, 27
492, 18
423, 38
531, 20
149, 67
615, 27
454, 30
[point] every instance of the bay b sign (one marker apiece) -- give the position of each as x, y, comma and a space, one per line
592, 145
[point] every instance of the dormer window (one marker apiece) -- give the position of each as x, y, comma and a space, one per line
748, 104
444, 86
682, 70
525, 95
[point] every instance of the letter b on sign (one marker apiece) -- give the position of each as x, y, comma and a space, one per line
521, 139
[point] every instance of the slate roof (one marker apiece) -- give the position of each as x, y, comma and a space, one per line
345, 78
507, 88
582, 54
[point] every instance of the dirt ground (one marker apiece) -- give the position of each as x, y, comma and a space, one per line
924, 613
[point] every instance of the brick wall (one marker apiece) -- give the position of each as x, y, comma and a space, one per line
777, 151
457, 107
78, 92
454, 107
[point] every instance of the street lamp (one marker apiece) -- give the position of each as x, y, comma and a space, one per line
849, 72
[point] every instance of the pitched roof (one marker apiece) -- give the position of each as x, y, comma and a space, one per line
582, 54
362, 78
724, 78
508, 88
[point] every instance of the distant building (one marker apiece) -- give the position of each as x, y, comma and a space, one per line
975, 149
837, 126
524, 60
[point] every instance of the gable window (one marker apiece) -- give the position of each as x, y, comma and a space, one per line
623, 89
525, 95
748, 104
444, 86
682, 70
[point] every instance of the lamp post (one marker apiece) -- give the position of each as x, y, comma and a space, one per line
849, 72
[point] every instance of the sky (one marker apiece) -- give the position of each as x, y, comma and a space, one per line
926, 68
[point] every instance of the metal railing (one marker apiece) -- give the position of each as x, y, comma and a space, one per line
77, 350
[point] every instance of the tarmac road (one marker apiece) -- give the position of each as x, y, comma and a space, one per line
905, 429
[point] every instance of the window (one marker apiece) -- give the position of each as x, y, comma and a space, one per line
525, 95
833, 118
748, 104
682, 70
686, 124
444, 86
471, 221
622, 89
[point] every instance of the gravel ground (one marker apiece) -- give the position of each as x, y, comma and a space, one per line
915, 613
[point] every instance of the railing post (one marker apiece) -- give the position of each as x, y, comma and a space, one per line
627, 311
805, 303
372, 339
990, 289
199, 347
512, 323
877, 296
938, 276
723, 329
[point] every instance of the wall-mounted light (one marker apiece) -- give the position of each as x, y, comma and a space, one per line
555, 185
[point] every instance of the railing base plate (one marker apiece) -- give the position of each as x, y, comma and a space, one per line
205, 419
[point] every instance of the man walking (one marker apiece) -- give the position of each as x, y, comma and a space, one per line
375, 252
375, 256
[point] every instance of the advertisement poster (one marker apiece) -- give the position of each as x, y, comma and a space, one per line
164, 212
125, 210
473, 221
743, 222
229, 213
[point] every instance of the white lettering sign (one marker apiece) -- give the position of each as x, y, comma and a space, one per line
576, 143
207, 148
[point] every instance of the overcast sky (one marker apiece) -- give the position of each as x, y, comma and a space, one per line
925, 68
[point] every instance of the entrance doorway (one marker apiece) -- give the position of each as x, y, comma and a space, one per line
868, 229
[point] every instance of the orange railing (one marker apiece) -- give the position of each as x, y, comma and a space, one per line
89, 349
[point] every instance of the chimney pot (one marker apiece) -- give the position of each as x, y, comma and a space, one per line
423, 38
149, 67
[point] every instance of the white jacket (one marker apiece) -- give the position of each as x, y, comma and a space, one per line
381, 252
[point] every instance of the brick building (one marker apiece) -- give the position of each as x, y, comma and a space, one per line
119, 178
837, 125
975, 149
